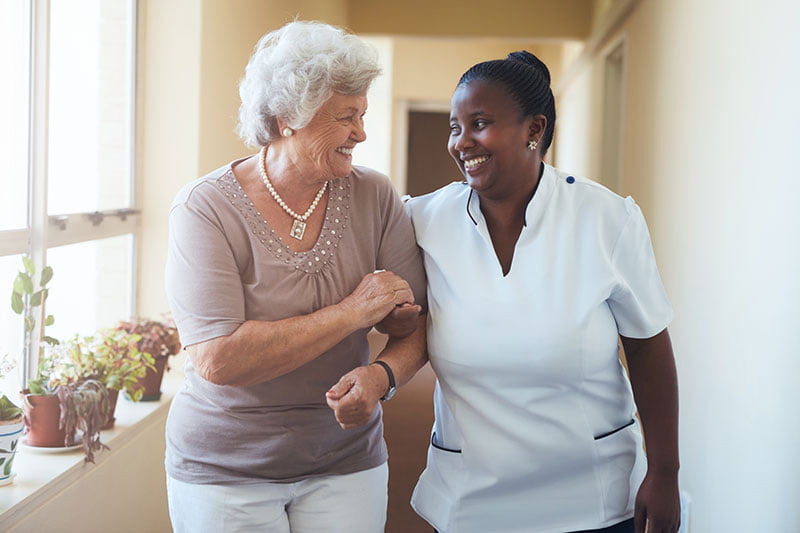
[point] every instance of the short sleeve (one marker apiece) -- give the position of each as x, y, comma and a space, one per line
203, 284
398, 250
638, 302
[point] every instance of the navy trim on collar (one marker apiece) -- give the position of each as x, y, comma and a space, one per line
525, 213
469, 201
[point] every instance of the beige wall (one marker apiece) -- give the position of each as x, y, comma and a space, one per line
565, 19
229, 32
167, 137
427, 69
376, 151
710, 122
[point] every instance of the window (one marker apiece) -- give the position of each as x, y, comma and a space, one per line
14, 104
66, 150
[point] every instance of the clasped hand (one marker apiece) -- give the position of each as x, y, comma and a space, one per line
383, 297
354, 398
385, 300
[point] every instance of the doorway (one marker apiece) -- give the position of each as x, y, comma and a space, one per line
428, 164
611, 152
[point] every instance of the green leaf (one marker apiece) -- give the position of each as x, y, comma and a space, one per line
26, 281
47, 275
36, 387
50, 320
8, 411
36, 299
16, 303
7, 468
3, 459
19, 286
29, 323
29, 266
50, 340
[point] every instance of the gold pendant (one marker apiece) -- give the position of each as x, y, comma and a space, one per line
298, 228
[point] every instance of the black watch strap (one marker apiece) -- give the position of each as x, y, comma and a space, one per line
392, 384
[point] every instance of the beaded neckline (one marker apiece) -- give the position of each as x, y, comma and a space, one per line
311, 261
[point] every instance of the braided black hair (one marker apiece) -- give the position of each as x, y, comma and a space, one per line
527, 80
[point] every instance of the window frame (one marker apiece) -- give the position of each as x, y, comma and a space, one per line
48, 231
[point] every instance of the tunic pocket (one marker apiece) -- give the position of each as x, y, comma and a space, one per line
621, 468
440, 446
439, 487
446, 435
609, 433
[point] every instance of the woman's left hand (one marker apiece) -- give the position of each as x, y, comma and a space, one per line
658, 504
354, 398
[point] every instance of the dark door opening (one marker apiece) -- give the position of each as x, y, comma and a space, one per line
429, 165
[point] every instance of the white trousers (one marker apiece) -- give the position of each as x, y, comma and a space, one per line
351, 503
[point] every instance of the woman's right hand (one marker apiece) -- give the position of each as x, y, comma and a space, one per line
376, 296
401, 321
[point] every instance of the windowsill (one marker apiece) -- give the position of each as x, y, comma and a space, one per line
42, 473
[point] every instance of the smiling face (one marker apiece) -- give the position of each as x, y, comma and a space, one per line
325, 145
489, 137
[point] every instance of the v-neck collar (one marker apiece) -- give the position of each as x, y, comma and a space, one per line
534, 212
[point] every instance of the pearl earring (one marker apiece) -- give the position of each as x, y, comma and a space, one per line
287, 132
532, 145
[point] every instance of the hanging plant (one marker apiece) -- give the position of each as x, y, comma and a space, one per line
85, 408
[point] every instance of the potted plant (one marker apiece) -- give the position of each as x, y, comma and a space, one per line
11, 427
110, 357
59, 410
39, 400
62, 407
42, 411
160, 339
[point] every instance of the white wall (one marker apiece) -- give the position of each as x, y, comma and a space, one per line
712, 118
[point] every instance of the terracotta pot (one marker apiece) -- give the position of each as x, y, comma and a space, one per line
152, 380
10, 433
41, 418
113, 394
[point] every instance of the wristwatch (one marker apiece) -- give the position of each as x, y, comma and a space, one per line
392, 384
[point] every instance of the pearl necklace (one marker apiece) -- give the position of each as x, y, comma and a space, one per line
299, 223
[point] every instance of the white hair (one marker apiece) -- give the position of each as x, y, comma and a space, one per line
294, 70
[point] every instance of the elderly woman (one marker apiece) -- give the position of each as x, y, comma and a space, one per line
279, 264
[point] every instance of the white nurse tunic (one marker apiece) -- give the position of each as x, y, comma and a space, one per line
535, 428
